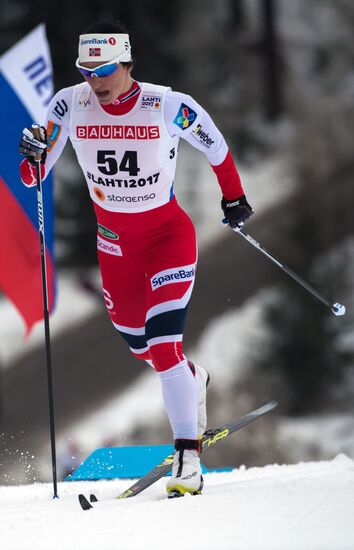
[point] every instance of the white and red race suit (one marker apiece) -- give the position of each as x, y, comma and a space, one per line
146, 243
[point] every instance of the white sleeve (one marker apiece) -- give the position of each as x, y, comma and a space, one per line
58, 119
185, 118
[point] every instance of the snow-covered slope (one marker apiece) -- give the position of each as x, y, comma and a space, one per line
308, 506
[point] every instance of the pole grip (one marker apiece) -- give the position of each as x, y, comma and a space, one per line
37, 134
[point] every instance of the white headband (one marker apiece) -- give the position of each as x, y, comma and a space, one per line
104, 47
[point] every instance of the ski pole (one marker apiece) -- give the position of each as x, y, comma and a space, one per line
337, 309
36, 132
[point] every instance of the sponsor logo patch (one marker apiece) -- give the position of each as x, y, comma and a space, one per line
150, 102
107, 232
84, 41
139, 198
99, 194
201, 136
185, 117
108, 248
84, 103
117, 132
175, 275
53, 133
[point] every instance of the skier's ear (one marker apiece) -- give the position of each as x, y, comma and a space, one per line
127, 65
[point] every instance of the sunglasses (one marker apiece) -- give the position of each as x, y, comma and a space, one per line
101, 71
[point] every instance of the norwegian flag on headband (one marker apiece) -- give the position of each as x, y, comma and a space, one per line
95, 52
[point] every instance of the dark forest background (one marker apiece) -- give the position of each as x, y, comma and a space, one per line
278, 80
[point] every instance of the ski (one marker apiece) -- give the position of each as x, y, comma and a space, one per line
210, 438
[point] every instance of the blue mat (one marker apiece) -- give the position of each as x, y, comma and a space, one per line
123, 462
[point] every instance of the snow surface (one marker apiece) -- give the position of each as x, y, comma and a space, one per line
308, 506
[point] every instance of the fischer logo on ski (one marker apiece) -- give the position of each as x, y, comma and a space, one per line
215, 438
167, 460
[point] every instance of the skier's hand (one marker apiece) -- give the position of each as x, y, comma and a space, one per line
236, 211
33, 144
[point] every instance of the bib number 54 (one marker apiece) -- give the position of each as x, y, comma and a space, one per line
108, 164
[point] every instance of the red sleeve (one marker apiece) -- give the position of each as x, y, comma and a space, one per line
28, 173
228, 178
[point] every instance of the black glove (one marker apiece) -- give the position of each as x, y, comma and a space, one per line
34, 143
236, 211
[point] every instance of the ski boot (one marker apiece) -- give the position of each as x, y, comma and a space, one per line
186, 470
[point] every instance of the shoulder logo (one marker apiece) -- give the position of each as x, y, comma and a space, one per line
203, 137
185, 116
107, 232
53, 133
60, 108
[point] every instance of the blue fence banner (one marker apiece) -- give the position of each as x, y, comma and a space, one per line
124, 462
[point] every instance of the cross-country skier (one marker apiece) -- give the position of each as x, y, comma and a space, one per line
125, 134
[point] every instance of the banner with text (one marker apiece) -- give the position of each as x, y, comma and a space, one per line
26, 88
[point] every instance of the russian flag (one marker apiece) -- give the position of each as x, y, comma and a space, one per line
26, 88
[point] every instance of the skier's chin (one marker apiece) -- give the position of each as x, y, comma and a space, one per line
104, 97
